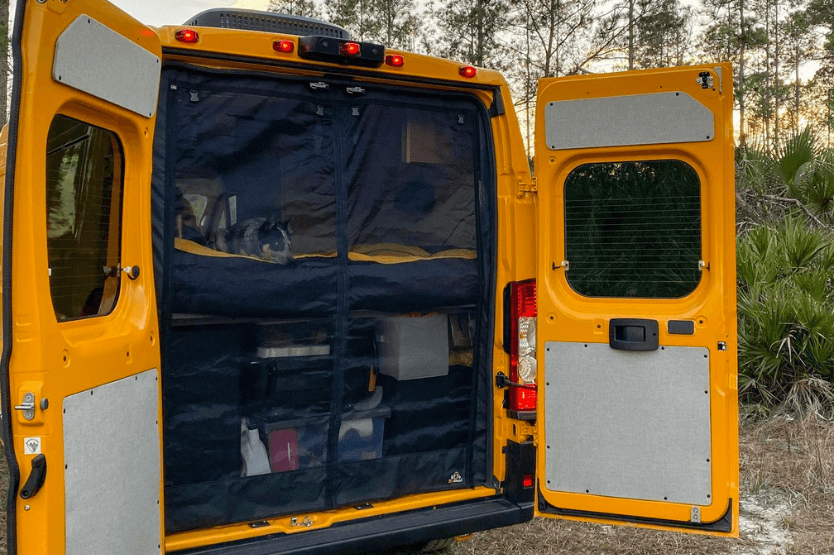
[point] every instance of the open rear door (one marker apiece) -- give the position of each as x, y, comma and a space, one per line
637, 415
81, 404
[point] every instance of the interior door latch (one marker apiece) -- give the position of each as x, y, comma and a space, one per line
27, 406
706, 80
36, 478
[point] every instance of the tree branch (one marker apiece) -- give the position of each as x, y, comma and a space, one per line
804, 208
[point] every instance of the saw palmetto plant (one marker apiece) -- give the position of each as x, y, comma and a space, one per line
786, 278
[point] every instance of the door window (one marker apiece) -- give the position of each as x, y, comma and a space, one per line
633, 229
84, 185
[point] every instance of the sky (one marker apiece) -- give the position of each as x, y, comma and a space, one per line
176, 12
172, 12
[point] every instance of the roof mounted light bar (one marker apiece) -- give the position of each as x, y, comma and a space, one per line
325, 49
252, 20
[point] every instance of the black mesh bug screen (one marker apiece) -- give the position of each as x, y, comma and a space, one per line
326, 270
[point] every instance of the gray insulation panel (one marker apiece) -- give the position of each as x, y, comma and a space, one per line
94, 59
642, 119
633, 425
113, 467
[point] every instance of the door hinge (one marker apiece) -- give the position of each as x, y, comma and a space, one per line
528, 188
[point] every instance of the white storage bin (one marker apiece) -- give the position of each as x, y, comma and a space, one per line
413, 348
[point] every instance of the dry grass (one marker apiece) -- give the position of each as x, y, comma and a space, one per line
797, 458
787, 470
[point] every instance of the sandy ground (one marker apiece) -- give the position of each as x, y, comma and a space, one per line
787, 507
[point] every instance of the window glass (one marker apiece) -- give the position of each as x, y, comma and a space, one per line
633, 229
84, 183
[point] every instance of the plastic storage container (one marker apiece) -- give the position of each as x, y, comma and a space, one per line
295, 444
413, 348
360, 437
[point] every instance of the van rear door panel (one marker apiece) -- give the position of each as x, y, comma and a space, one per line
81, 353
636, 289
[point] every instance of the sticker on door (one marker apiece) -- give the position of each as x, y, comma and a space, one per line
32, 446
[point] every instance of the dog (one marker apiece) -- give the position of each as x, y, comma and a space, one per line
263, 238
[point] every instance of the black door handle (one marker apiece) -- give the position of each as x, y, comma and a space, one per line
631, 334
36, 477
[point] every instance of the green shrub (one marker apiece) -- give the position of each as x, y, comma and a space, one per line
786, 277
786, 317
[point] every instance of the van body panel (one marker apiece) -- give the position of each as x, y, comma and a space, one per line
638, 382
63, 346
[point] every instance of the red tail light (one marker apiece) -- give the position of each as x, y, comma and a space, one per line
188, 36
527, 482
523, 366
350, 49
284, 46
468, 71
395, 60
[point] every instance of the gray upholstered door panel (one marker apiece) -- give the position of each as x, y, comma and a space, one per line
113, 468
625, 424
640, 119
91, 57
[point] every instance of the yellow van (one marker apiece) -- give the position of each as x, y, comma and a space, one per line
268, 290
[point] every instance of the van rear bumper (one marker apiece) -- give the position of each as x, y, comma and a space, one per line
384, 532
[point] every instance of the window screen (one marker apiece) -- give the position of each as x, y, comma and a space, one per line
255, 175
84, 181
633, 229
411, 180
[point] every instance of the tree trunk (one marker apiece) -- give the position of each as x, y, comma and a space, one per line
796, 86
776, 81
389, 21
768, 81
630, 34
479, 22
742, 92
528, 85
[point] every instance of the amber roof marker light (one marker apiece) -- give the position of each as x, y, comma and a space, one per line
188, 36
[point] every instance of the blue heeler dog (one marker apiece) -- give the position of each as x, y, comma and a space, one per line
264, 238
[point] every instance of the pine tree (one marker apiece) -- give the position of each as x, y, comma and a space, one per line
734, 36
303, 8
821, 13
799, 41
357, 16
397, 24
559, 31
663, 32
469, 29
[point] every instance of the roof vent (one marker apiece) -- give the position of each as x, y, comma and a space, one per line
252, 20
